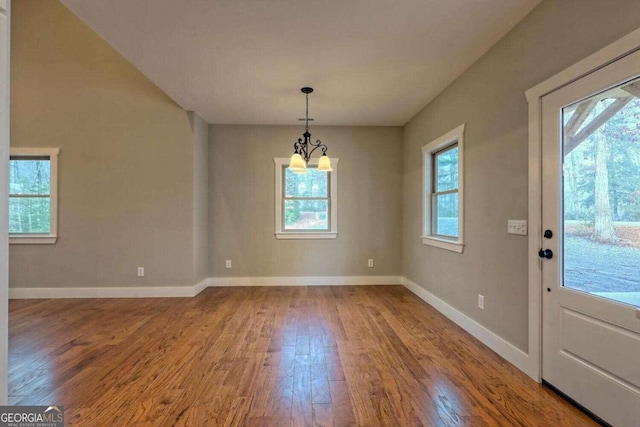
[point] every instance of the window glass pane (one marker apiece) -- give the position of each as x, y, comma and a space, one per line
311, 184
601, 190
29, 215
446, 215
446, 167
306, 214
29, 176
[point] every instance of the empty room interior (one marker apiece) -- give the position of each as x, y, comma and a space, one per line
357, 212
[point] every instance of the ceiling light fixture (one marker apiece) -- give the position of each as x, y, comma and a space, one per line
304, 147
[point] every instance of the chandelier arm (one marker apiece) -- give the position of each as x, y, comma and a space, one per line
301, 148
316, 145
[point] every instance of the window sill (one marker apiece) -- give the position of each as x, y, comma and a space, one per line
32, 240
443, 244
292, 235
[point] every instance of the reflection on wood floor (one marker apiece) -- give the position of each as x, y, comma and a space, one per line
276, 356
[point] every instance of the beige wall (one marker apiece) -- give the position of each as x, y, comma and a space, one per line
200, 197
242, 209
126, 161
489, 98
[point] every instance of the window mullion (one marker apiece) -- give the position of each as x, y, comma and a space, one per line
305, 198
443, 193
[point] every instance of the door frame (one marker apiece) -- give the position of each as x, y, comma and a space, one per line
605, 56
5, 10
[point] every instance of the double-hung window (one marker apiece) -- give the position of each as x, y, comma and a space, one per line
443, 207
306, 203
33, 195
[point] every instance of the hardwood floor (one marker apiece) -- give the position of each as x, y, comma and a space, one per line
366, 356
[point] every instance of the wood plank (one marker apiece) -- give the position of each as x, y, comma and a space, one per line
366, 355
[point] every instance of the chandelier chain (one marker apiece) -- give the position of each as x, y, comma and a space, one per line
306, 121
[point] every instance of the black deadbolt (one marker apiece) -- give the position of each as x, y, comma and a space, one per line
548, 234
545, 253
548, 289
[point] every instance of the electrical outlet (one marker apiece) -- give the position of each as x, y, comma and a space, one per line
517, 226
140, 271
481, 302
370, 263
227, 263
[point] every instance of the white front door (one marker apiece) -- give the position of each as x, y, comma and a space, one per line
591, 254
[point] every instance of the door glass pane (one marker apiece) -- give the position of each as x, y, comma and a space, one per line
306, 214
601, 167
446, 215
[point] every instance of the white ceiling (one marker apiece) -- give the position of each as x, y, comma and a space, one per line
371, 62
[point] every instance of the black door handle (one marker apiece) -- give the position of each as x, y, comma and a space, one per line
545, 253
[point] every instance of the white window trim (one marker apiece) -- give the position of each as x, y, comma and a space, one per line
52, 236
280, 162
454, 136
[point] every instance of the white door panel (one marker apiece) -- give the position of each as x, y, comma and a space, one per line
579, 333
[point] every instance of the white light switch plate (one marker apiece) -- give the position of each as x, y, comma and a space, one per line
517, 226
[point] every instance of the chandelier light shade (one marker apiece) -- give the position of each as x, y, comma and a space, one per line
324, 164
297, 163
303, 148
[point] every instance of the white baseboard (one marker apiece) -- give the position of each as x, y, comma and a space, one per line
199, 287
191, 291
505, 349
305, 281
109, 292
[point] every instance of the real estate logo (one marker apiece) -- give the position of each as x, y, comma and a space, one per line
31, 416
